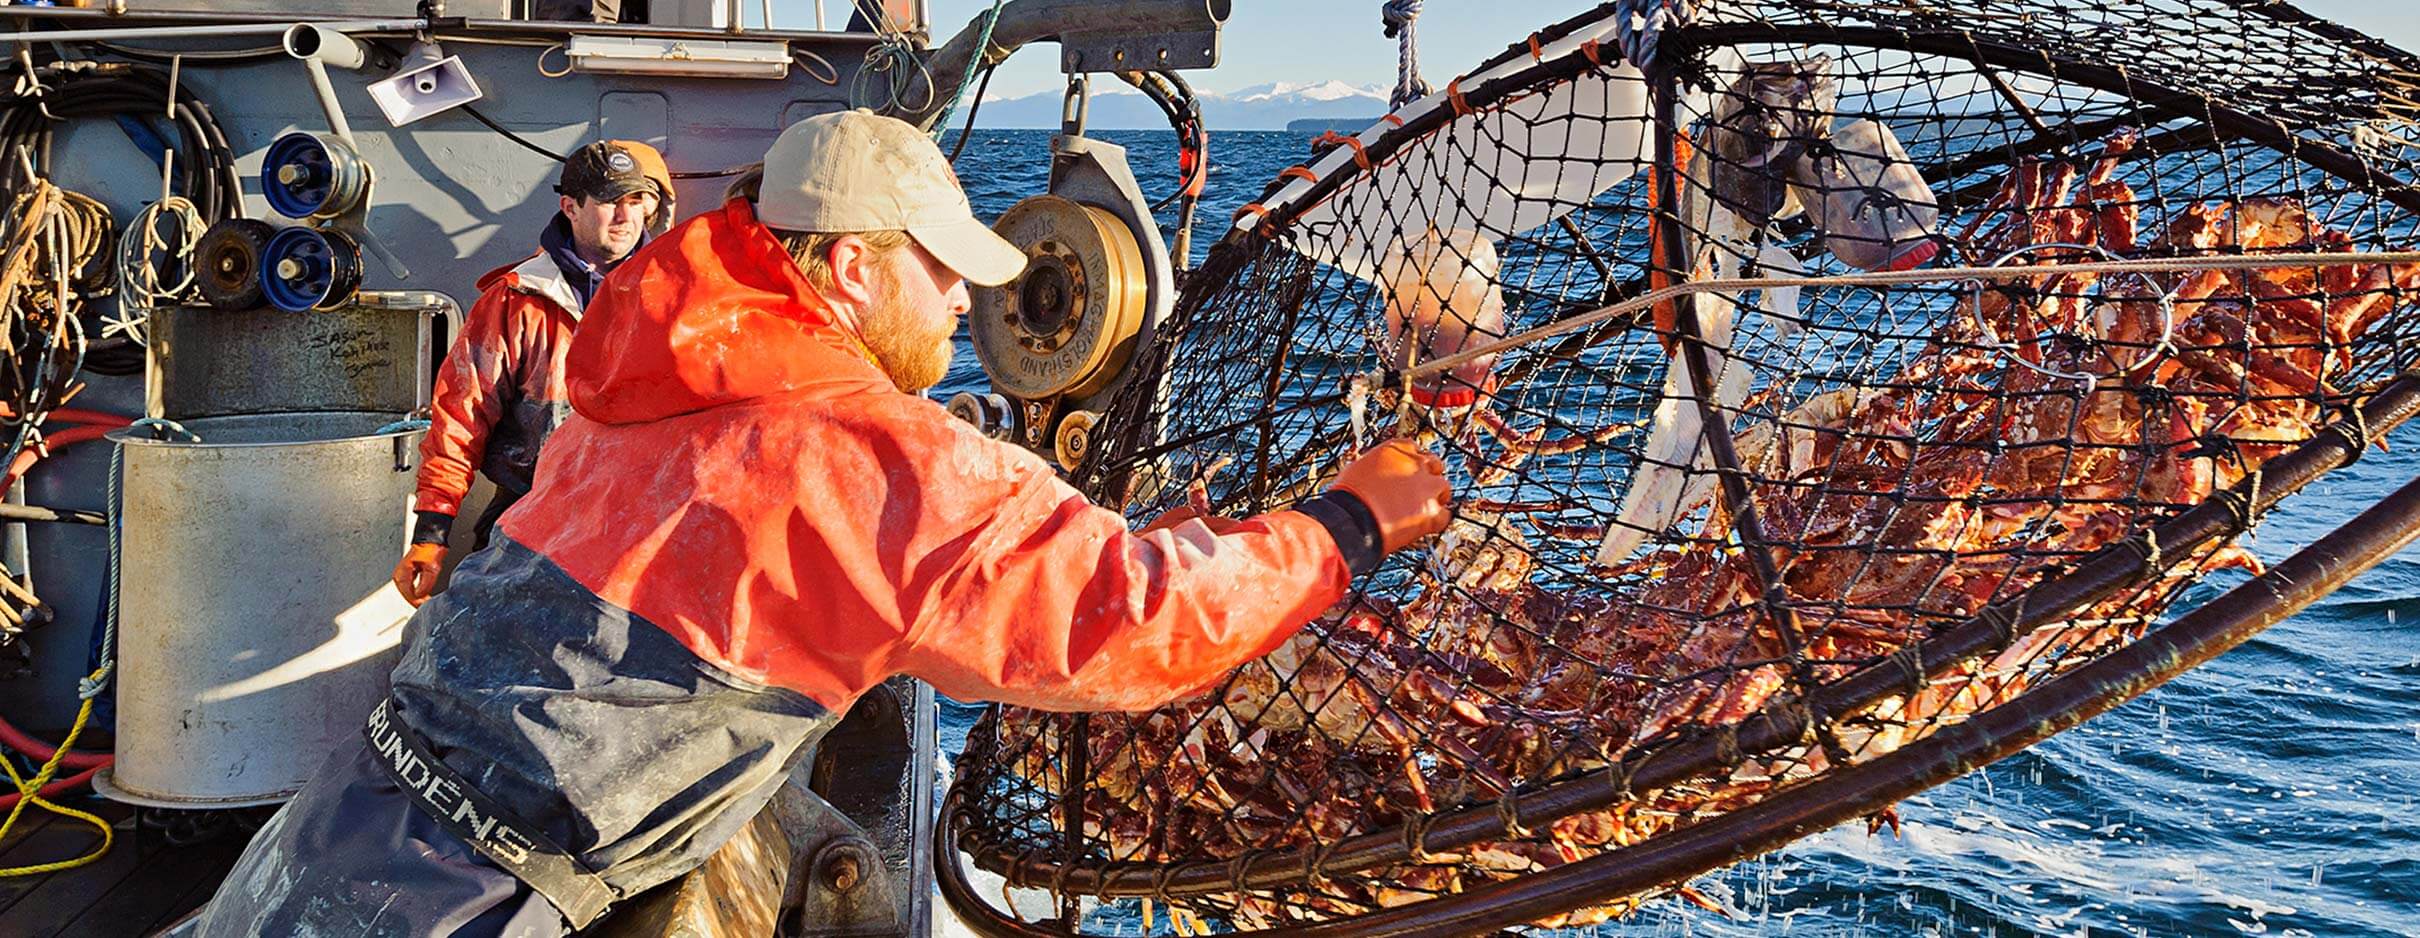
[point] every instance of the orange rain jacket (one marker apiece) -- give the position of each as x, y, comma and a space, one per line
741, 473
500, 391
744, 526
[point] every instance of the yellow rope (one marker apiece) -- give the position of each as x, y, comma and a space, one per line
26, 792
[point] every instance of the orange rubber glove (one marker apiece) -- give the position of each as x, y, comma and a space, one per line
416, 574
1404, 487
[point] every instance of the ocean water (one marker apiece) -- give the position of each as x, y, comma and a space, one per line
2274, 791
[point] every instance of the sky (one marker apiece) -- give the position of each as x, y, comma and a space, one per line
1308, 41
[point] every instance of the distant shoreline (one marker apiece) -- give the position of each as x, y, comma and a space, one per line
1312, 125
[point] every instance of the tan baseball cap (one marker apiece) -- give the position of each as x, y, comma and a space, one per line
861, 171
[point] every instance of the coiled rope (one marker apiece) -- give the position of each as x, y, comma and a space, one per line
887, 81
29, 792
51, 267
88, 690
155, 263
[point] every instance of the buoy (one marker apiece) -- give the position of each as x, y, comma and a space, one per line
1442, 300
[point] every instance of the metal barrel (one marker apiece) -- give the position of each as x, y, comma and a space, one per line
256, 623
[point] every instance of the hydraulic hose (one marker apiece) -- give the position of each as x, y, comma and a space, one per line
18, 740
57, 788
205, 164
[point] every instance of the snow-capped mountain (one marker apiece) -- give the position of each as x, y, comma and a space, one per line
1260, 107
1330, 90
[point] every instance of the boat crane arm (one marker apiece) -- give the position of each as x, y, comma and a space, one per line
1027, 21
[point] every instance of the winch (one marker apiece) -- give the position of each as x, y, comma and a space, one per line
1056, 342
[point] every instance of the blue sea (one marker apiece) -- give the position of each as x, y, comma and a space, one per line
2274, 791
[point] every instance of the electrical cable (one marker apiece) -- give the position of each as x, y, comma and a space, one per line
155, 268
228, 58
65, 90
514, 137
808, 62
1177, 101
30, 116
967, 131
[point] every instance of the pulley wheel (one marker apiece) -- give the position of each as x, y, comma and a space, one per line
1073, 442
991, 414
308, 175
1067, 325
227, 262
308, 268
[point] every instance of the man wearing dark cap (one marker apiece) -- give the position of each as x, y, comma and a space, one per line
501, 390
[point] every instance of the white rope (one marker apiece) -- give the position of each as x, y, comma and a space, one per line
143, 250
91, 687
1398, 15
1902, 277
1993, 341
1638, 25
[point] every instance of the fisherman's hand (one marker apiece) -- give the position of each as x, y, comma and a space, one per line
416, 575
1183, 513
1405, 489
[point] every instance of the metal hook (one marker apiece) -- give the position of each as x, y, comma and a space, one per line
30, 83
1076, 105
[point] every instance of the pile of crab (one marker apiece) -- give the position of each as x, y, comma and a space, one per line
2050, 416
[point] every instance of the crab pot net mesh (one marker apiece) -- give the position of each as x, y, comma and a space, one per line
1708, 550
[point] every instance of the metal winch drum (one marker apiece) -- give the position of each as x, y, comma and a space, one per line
1067, 325
1057, 341
316, 176
256, 625
309, 269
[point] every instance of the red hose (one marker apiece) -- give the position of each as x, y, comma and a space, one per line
79, 415
56, 788
54, 441
100, 424
42, 751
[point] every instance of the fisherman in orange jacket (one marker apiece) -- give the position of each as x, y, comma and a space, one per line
750, 520
501, 390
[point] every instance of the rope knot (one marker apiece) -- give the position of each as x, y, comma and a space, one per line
91, 685
1508, 813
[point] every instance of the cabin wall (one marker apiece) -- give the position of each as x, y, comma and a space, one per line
453, 200
380, 9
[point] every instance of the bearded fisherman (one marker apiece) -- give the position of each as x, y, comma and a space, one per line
750, 519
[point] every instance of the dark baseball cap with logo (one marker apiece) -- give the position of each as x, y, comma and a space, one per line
610, 169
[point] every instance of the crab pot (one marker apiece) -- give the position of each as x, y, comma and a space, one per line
256, 627
1723, 573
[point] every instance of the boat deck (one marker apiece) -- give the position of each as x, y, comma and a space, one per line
147, 880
